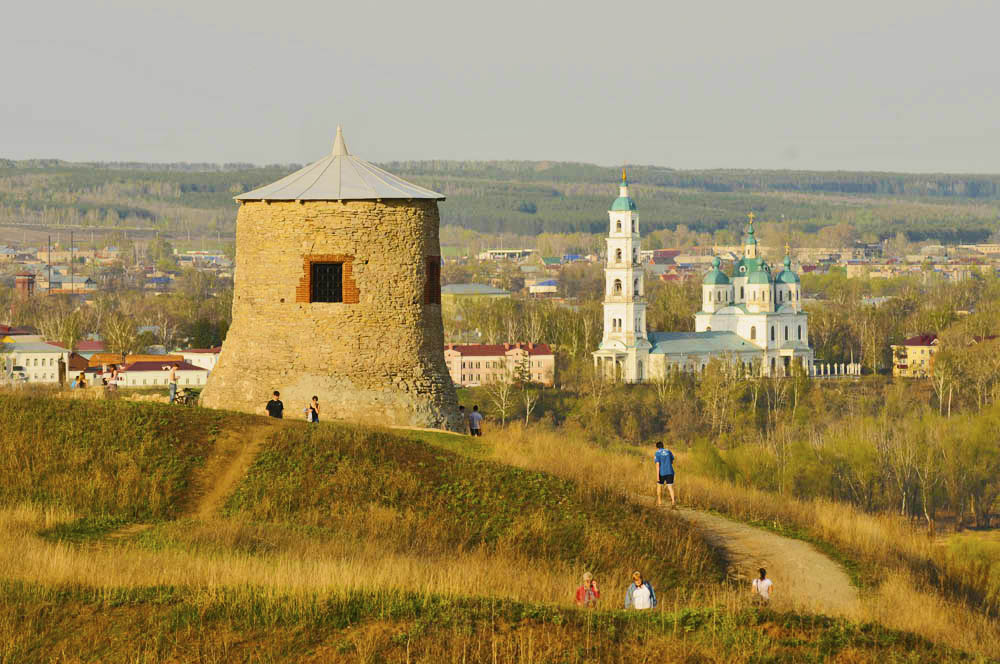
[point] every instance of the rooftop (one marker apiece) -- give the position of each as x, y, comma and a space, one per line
698, 343
472, 289
493, 350
339, 176
160, 366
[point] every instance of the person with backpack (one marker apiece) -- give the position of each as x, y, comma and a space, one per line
639, 594
664, 460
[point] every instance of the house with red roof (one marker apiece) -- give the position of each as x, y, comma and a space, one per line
914, 358
147, 373
471, 365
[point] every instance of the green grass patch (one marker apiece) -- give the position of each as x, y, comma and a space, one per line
107, 461
417, 497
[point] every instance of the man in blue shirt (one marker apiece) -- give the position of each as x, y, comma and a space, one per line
664, 460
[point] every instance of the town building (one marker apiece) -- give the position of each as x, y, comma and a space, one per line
337, 294
39, 362
546, 287
752, 317
206, 358
471, 365
504, 254
914, 358
154, 373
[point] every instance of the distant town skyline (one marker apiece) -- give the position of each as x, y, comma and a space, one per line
890, 86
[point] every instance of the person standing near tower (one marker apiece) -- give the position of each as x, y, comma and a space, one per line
664, 460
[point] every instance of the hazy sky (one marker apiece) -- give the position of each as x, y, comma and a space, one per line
907, 85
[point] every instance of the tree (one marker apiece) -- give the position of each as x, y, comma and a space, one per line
502, 394
120, 334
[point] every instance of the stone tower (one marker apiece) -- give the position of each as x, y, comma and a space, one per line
337, 294
624, 349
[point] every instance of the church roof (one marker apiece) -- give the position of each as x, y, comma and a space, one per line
623, 203
715, 276
759, 277
694, 343
339, 176
786, 276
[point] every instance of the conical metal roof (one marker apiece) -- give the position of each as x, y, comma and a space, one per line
340, 176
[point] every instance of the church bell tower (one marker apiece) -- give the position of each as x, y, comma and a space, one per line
624, 350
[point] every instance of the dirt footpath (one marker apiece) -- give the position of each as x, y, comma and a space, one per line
803, 577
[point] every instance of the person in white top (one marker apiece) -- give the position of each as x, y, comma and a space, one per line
762, 587
639, 594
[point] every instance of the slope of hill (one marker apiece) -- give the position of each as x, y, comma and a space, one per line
525, 198
348, 544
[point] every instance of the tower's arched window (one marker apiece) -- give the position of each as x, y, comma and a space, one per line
753, 332
718, 296
772, 333
617, 288
635, 257
800, 333
618, 226
635, 287
786, 333
618, 255
754, 294
742, 296
781, 296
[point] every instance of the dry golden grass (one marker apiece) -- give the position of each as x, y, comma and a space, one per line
886, 545
337, 564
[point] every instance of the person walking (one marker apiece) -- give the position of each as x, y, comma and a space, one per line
476, 422
274, 407
465, 418
172, 382
588, 594
313, 410
639, 594
762, 588
81, 381
664, 460
113, 382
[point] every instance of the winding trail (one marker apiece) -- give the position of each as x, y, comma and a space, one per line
804, 577
231, 456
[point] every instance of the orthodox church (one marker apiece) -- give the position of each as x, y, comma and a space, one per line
753, 316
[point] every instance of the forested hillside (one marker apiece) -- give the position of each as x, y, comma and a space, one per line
522, 198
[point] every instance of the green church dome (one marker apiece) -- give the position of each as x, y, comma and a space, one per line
623, 203
716, 277
786, 276
759, 277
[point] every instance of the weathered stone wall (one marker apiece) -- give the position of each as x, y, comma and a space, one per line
377, 357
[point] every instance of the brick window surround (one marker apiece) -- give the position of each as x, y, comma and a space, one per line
303, 292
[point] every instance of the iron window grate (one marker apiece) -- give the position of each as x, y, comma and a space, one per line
327, 282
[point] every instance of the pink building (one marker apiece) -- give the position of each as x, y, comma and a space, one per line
477, 364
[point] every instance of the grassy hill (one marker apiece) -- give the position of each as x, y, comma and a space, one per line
343, 543
521, 198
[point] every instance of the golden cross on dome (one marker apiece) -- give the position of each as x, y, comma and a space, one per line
750, 217
788, 249
624, 179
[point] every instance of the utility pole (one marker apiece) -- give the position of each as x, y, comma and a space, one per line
72, 259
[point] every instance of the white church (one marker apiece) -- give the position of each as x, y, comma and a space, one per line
753, 317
